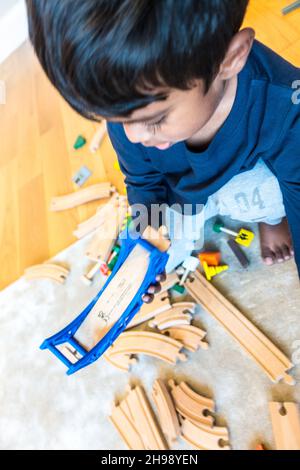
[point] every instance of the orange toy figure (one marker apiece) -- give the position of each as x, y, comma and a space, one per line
211, 258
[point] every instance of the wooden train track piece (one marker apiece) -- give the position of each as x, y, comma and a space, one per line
144, 419
186, 307
100, 246
157, 238
105, 236
151, 344
121, 361
83, 196
98, 137
273, 362
160, 303
166, 412
70, 353
170, 318
190, 336
89, 225
124, 406
286, 425
202, 437
171, 280
51, 271
126, 429
97, 220
179, 313
191, 405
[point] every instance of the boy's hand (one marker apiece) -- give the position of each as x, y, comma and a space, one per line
154, 288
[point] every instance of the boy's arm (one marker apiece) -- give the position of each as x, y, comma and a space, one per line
285, 164
145, 185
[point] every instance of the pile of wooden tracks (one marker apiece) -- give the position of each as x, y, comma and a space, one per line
180, 413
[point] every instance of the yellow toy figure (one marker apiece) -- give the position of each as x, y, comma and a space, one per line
244, 237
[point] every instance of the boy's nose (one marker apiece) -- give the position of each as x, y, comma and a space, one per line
136, 133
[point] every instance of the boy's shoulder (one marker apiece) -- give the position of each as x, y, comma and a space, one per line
269, 66
275, 93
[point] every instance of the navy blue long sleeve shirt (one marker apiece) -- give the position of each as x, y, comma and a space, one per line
264, 123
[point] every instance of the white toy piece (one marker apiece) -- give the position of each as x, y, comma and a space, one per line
190, 264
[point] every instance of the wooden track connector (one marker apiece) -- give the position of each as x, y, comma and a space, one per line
47, 271
273, 362
161, 303
121, 361
190, 336
152, 344
191, 405
83, 196
171, 318
126, 429
286, 425
166, 412
202, 437
144, 419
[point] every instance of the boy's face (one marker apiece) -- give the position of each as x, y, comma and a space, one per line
179, 118
191, 115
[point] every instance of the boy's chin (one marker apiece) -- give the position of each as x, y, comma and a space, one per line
165, 146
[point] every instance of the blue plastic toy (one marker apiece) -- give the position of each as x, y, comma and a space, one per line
157, 263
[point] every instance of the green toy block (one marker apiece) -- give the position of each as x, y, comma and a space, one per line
178, 288
111, 265
80, 142
116, 248
217, 227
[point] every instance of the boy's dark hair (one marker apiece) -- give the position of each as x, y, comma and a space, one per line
107, 56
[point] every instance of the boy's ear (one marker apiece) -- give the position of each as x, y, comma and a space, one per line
237, 54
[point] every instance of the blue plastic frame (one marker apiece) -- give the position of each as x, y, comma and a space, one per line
157, 263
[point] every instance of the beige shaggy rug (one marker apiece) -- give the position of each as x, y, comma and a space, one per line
42, 408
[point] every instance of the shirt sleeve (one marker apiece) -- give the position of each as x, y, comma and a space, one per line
145, 185
284, 161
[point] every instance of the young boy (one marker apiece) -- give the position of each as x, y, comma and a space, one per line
198, 111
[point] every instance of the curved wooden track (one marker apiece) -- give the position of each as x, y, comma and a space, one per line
47, 271
152, 344
160, 303
91, 193
190, 336
202, 437
191, 405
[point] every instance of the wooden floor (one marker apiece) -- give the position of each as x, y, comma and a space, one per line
37, 160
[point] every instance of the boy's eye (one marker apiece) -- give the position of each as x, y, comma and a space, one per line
155, 126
